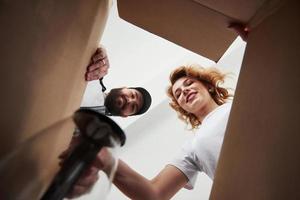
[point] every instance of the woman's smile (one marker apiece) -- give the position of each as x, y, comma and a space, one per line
190, 97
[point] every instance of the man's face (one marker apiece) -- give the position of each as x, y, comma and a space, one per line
125, 101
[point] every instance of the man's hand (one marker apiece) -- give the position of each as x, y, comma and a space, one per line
98, 66
85, 182
104, 161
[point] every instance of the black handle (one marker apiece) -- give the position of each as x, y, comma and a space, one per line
73, 167
96, 131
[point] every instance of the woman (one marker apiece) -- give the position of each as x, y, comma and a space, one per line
200, 101
198, 98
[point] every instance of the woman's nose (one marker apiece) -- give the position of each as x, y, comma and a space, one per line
186, 91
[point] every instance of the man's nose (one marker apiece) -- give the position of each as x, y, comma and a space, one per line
129, 99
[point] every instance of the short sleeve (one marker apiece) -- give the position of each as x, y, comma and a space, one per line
186, 164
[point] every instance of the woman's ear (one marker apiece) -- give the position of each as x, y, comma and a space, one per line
211, 90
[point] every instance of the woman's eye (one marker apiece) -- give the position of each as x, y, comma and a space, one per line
189, 82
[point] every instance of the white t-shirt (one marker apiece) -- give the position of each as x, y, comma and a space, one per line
201, 153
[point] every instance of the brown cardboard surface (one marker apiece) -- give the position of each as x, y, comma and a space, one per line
27, 171
240, 10
260, 154
184, 22
45, 48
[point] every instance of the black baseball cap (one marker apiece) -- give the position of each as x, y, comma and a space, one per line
147, 100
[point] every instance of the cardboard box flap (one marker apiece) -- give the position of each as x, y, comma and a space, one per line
260, 153
240, 10
184, 22
45, 48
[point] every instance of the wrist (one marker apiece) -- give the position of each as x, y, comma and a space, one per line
110, 166
105, 161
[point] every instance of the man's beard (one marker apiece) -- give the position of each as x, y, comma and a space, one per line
111, 101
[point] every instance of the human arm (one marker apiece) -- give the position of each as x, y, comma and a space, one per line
98, 66
165, 185
131, 183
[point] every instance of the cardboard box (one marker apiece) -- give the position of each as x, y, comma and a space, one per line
184, 22
260, 154
45, 48
198, 25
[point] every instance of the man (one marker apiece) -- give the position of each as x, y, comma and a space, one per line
123, 102
126, 101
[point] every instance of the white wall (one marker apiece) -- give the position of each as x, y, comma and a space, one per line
138, 58
156, 137
152, 141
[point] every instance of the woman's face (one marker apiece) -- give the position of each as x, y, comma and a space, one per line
191, 94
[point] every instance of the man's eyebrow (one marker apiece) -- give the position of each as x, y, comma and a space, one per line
139, 100
124, 105
137, 95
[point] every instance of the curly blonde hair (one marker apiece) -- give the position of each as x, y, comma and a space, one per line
210, 77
